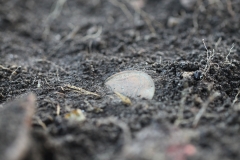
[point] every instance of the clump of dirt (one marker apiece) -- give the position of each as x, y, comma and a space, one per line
47, 46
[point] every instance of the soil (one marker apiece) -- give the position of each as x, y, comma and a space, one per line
48, 45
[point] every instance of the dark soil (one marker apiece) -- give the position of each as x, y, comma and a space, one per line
45, 46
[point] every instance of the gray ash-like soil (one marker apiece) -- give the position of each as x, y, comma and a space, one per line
46, 45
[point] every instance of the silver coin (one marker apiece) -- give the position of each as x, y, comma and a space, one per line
135, 84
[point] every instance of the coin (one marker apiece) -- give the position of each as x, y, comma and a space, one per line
132, 83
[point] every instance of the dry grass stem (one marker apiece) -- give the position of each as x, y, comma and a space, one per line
236, 98
123, 7
82, 91
4, 68
13, 73
52, 16
204, 108
210, 55
93, 36
40, 122
72, 34
227, 60
57, 66
58, 109
230, 9
123, 98
145, 17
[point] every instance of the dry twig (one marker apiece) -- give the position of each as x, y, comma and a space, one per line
72, 33
93, 36
89, 105
40, 122
218, 42
204, 108
13, 73
210, 55
123, 98
80, 90
58, 109
1, 95
4, 68
184, 95
128, 14
53, 15
227, 60
145, 17
123, 7
57, 66
230, 9
236, 98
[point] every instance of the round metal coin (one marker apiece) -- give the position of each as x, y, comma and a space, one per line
135, 84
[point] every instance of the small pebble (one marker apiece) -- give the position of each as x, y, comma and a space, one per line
198, 75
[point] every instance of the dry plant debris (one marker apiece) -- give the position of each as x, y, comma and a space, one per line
80, 90
204, 108
75, 115
124, 99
